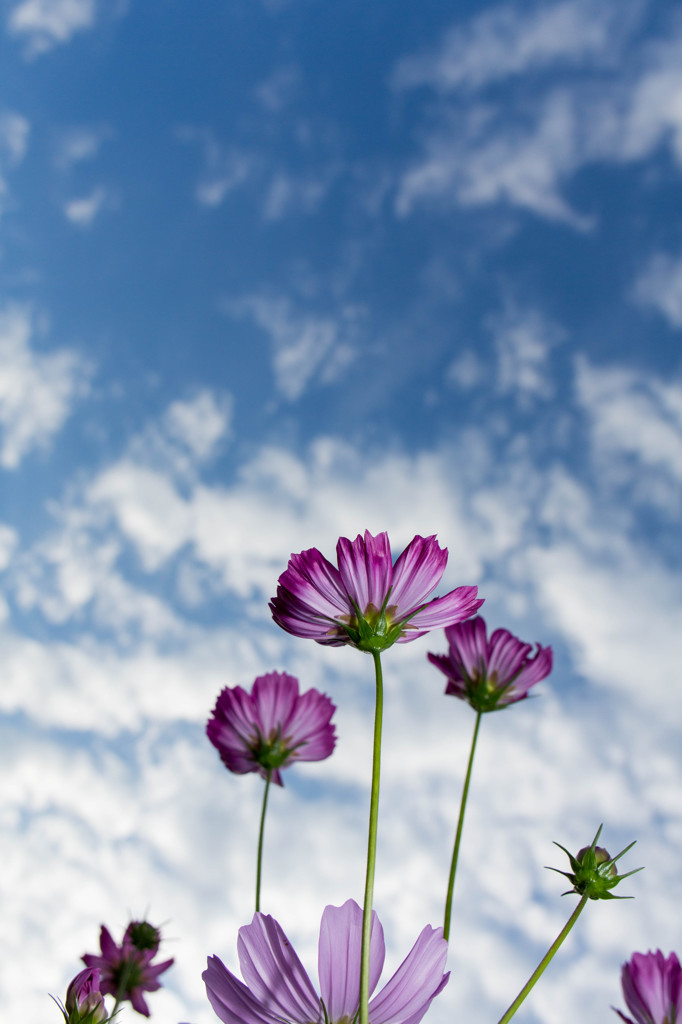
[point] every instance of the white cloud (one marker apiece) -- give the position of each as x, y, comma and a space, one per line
490, 158
224, 171
635, 416
522, 144
279, 89
287, 194
75, 145
524, 340
307, 348
508, 41
37, 390
83, 211
49, 23
199, 424
106, 723
660, 285
466, 370
14, 132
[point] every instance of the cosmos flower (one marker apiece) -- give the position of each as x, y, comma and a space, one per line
652, 987
368, 601
126, 970
490, 674
84, 1003
278, 988
271, 727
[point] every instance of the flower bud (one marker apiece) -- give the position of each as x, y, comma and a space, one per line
84, 1001
594, 871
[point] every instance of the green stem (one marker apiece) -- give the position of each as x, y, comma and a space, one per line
371, 843
259, 859
544, 962
458, 833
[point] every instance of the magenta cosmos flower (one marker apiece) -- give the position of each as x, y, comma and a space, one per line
84, 1002
127, 970
279, 991
652, 987
490, 674
368, 601
271, 727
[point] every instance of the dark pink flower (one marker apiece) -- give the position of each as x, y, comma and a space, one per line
652, 987
84, 1002
368, 601
490, 674
279, 991
126, 970
271, 727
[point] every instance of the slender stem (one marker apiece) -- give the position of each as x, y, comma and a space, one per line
458, 833
371, 843
259, 859
544, 962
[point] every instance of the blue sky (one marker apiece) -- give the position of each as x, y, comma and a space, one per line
275, 272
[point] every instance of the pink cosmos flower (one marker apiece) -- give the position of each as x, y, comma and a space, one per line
652, 986
127, 971
368, 602
271, 727
279, 991
490, 674
84, 1003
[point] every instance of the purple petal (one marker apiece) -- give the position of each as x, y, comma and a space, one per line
443, 611
651, 986
506, 655
315, 584
533, 671
417, 571
274, 698
407, 996
230, 998
365, 567
339, 958
299, 620
274, 973
468, 647
309, 727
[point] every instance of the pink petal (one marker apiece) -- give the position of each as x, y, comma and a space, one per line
339, 958
365, 566
274, 698
274, 973
407, 996
230, 998
417, 571
443, 611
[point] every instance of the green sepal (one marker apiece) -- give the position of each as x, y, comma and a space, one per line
594, 872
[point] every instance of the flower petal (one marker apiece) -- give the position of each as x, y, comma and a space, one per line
339, 958
274, 973
407, 996
417, 571
506, 655
230, 998
366, 568
309, 727
274, 698
443, 611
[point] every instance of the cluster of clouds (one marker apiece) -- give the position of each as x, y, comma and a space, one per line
150, 593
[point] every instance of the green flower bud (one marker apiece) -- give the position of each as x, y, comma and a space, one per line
594, 872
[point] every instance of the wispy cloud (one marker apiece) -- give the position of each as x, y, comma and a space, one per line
84, 210
308, 348
660, 286
528, 97
44, 24
14, 133
511, 40
37, 389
